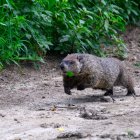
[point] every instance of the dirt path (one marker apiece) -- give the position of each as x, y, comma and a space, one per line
33, 105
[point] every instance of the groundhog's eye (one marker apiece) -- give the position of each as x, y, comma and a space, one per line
72, 62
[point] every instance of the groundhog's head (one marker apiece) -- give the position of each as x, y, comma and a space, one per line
71, 63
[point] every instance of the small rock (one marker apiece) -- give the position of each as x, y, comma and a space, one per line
2, 115
132, 58
57, 84
46, 84
45, 125
136, 71
119, 138
71, 135
108, 123
40, 109
17, 120
1, 79
105, 136
17, 139
121, 99
90, 114
43, 97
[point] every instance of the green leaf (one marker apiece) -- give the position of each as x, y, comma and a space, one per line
70, 74
104, 2
106, 25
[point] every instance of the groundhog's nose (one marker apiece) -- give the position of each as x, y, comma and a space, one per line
62, 66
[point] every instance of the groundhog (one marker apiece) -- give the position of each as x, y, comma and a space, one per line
90, 71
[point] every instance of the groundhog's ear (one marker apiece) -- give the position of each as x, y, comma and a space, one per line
79, 58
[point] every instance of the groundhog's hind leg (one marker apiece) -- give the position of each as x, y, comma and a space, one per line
80, 87
128, 83
109, 92
131, 92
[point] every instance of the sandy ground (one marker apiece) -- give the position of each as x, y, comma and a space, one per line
33, 105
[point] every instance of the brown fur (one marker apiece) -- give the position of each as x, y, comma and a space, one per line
95, 72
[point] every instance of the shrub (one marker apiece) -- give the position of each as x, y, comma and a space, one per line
130, 10
87, 26
23, 28
31, 28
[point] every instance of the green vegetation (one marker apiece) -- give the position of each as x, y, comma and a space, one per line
137, 64
70, 74
28, 29
131, 134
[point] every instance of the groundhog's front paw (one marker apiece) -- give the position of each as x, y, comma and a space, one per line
80, 87
67, 91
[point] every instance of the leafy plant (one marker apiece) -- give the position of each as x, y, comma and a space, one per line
130, 10
137, 64
28, 29
23, 31
70, 74
83, 26
131, 134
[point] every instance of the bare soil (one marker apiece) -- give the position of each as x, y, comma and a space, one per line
33, 105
